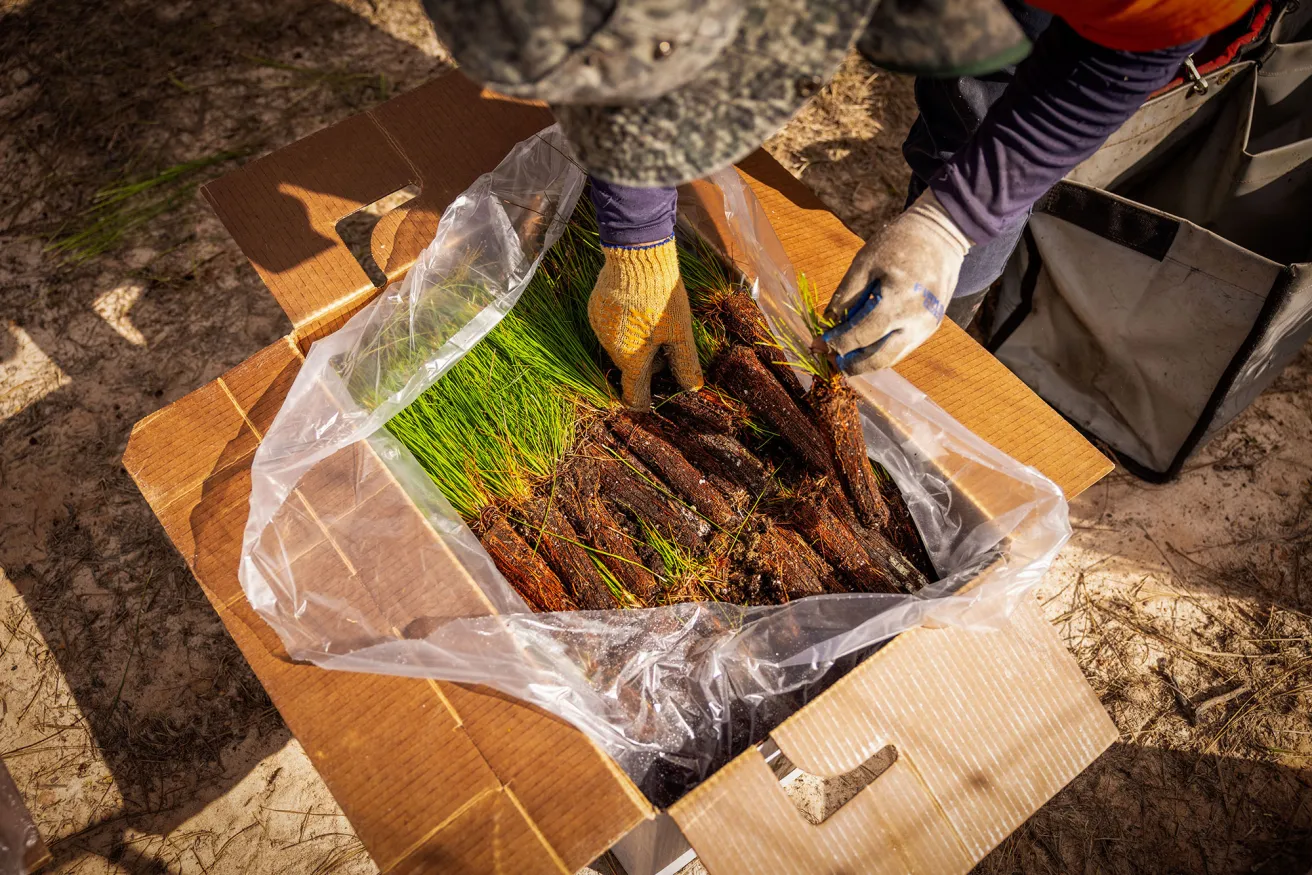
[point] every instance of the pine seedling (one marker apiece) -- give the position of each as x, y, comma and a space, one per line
118, 210
687, 576
710, 339
813, 357
705, 275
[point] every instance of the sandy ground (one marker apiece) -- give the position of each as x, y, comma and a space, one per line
130, 721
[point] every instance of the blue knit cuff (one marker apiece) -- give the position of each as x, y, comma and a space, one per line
668, 239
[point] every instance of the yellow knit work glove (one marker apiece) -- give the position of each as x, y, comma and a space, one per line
639, 307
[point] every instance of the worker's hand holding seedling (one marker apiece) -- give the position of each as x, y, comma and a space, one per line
638, 308
670, 91
895, 293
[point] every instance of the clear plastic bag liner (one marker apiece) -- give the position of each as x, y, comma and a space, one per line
356, 559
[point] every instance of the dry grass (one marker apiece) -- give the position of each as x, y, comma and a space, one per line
846, 144
1187, 607
117, 210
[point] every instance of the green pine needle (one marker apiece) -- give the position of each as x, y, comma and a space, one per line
805, 355
498, 422
710, 340
118, 210
685, 573
705, 275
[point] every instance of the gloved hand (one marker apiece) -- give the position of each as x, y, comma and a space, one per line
895, 293
638, 307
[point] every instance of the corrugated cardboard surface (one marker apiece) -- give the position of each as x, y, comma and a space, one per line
437, 777
402, 756
987, 728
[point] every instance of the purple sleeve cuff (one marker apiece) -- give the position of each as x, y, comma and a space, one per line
1067, 98
633, 216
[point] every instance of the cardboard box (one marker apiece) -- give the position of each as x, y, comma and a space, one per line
439, 777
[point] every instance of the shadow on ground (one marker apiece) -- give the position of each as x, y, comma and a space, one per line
1148, 810
846, 145
126, 707
1196, 593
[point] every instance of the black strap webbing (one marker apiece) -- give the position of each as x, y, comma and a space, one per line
1132, 227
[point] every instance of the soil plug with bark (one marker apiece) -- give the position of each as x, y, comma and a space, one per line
864, 559
724, 457
626, 486
905, 574
774, 554
593, 519
834, 404
531, 577
649, 445
741, 373
716, 450
901, 527
565, 552
745, 321
823, 571
834, 540
705, 410
890, 565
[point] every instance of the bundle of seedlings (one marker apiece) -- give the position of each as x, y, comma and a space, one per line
877, 504
751, 490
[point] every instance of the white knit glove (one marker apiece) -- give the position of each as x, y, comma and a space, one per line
897, 289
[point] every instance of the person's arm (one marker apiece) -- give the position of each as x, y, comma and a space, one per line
1067, 98
633, 216
639, 306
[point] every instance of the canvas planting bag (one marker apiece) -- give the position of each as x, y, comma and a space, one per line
1165, 283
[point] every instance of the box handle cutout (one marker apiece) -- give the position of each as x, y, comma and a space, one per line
816, 797
356, 229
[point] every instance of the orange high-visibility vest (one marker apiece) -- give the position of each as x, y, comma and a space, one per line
1145, 25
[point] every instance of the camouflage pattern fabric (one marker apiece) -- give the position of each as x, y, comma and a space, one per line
784, 53
943, 37
657, 92
585, 51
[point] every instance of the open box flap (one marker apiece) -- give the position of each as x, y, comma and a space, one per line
417, 766
1009, 722
283, 209
670, 692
